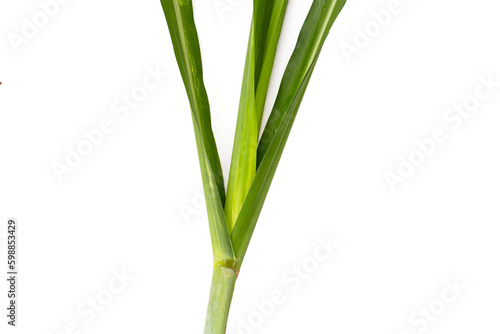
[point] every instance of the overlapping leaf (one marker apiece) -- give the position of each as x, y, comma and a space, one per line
252, 169
232, 220
293, 85
267, 21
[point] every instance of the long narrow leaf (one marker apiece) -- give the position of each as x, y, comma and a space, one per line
293, 85
179, 15
267, 21
309, 43
244, 157
250, 211
267, 45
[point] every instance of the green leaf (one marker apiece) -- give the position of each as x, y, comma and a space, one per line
293, 86
244, 157
179, 15
267, 21
267, 44
309, 43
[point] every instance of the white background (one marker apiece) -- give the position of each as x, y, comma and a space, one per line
122, 206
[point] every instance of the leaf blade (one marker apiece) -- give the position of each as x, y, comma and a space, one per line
182, 28
292, 89
244, 156
180, 20
265, 61
267, 21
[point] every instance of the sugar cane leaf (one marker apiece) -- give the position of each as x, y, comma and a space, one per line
244, 157
267, 21
293, 86
267, 45
180, 20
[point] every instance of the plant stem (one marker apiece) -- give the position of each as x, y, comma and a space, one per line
221, 294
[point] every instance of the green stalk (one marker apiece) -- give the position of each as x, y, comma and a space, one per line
232, 219
221, 294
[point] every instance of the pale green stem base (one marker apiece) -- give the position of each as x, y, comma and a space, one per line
221, 294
